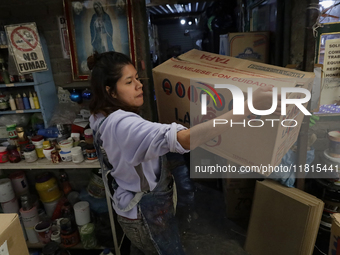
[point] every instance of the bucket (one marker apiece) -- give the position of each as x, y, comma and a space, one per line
30, 218
82, 213
6, 190
19, 183
47, 187
43, 228
11, 206
96, 187
50, 207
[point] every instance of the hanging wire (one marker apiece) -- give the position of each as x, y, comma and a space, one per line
322, 11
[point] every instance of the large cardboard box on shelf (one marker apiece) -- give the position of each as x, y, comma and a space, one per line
178, 84
250, 45
11, 235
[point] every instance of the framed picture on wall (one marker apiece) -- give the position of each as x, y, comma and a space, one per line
98, 25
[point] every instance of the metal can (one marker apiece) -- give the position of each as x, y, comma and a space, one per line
55, 157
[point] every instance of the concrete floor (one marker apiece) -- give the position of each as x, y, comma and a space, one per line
208, 231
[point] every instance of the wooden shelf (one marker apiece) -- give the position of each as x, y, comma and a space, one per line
3, 46
17, 84
78, 246
47, 164
20, 111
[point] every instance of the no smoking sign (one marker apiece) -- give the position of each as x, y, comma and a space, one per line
24, 39
25, 45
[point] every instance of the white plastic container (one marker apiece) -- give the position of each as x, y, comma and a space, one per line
66, 145
50, 207
6, 190
77, 154
82, 213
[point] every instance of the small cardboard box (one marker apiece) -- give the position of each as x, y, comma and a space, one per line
334, 243
178, 84
11, 235
251, 46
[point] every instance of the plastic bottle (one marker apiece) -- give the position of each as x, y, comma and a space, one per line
5, 75
12, 103
106, 251
65, 184
31, 101
36, 101
20, 103
26, 101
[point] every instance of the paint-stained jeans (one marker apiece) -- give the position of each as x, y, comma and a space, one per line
136, 231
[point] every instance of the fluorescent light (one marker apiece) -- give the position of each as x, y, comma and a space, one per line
183, 21
326, 4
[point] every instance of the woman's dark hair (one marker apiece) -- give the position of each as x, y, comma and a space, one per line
106, 71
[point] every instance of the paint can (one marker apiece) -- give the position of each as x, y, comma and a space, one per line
87, 236
11, 206
47, 187
6, 190
43, 228
50, 207
19, 183
82, 213
30, 218
96, 186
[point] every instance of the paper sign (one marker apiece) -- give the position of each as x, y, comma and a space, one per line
4, 249
26, 47
63, 36
331, 67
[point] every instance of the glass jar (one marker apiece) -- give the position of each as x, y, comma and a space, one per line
30, 154
91, 153
13, 154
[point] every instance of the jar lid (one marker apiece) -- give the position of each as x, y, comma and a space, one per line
65, 142
46, 142
37, 138
23, 142
87, 229
11, 126
88, 132
29, 147
43, 177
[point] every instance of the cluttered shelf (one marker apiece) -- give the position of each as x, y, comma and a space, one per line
47, 164
41, 245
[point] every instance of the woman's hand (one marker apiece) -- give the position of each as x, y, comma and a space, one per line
263, 100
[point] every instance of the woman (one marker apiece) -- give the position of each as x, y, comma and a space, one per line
136, 149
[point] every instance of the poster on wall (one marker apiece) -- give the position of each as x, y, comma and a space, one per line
65, 46
24, 43
97, 26
330, 94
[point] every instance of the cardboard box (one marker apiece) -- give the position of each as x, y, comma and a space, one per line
283, 221
251, 46
334, 243
177, 86
11, 235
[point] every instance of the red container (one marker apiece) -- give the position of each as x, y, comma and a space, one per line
3, 156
